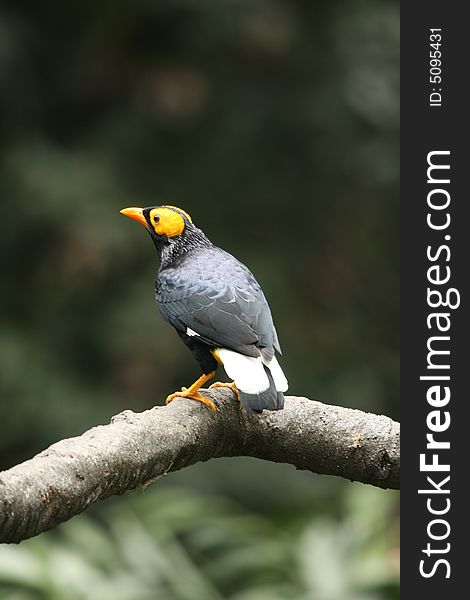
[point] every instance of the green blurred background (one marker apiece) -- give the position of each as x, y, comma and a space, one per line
274, 123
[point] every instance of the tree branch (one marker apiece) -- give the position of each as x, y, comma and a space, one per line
135, 449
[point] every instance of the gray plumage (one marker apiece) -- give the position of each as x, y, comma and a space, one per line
211, 292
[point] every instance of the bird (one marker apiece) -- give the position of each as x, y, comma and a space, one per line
218, 309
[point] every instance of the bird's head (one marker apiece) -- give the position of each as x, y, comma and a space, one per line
163, 221
170, 227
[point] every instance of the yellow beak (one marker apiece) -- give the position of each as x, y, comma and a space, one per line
136, 214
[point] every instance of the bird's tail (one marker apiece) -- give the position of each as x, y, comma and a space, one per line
260, 382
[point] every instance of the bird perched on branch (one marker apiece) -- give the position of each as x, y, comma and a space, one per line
218, 309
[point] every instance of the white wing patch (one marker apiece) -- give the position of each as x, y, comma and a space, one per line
191, 332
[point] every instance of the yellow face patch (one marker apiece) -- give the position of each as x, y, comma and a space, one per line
166, 221
181, 211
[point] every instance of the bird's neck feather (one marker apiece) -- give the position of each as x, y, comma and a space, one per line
171, 249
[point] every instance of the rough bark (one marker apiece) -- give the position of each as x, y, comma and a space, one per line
135, 449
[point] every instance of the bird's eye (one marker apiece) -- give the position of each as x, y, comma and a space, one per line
156, 219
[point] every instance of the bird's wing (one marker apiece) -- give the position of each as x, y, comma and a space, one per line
221, 302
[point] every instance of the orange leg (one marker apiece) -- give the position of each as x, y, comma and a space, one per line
192, 392
232, 386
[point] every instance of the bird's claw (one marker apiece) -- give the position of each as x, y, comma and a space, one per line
232, 386
186, 393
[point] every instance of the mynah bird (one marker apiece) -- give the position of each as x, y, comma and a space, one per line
217, 308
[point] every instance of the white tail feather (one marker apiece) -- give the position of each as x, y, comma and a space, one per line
280, 380
249, 373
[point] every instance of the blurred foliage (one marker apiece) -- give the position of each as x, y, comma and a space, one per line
176, 546
274, 123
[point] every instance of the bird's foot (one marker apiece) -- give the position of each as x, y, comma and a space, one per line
232, 386
194, 395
